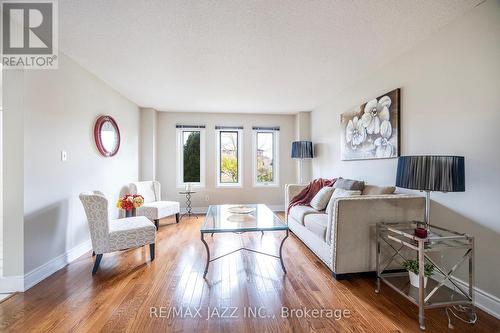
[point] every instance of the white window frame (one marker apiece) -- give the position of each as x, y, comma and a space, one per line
180, 157
240, 158
276, 164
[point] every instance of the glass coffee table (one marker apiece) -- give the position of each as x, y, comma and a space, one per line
240, 219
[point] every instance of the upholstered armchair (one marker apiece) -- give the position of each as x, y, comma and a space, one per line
154, 208
115, 235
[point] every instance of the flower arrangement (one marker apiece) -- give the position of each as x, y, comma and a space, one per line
130, 201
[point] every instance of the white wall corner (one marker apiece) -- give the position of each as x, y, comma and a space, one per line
10, 284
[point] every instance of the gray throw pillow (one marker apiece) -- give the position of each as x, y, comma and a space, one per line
349, 184
321, 198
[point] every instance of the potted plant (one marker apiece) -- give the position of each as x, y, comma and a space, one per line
129, 202
412, 267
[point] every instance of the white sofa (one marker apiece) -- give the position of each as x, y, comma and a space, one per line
154, 208
344, 236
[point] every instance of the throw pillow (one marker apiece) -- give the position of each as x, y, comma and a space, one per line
341, 193
349, 184
378, 190
321, 198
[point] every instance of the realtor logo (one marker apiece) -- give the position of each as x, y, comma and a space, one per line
29, 34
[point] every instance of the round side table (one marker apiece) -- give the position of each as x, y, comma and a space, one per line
188, 212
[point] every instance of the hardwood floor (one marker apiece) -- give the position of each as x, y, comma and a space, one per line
128, 291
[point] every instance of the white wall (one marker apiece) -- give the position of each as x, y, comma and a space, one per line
450, 87
166, 152
13, 162
303, 133
148, 136
61, 107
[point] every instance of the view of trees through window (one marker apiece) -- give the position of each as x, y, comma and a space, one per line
265, 156
228, 157
191, 156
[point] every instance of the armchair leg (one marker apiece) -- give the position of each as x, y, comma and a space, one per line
157, 224
177, 217
96, 263
152, 251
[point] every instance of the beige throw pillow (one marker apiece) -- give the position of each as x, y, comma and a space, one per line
321, 198
341, 193
378, 190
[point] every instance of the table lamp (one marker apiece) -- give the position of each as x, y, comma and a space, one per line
431, 173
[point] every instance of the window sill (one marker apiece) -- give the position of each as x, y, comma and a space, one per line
229, 186
266, 185
193, 187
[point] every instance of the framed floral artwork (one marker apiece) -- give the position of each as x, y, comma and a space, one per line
371, 131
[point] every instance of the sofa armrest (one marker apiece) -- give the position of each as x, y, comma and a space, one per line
353, 227
291, 190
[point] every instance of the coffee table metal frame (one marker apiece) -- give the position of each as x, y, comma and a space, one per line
241, 230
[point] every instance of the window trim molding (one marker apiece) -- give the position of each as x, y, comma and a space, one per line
239, 184
276, 163
180, 156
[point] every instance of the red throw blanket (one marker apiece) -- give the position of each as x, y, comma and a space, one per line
305, 196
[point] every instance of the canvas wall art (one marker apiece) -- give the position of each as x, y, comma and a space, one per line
371, 131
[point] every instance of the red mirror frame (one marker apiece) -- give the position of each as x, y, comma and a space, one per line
97, 135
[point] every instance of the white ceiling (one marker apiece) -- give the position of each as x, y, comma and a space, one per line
279, 56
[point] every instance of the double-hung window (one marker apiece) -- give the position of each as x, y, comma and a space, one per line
265, 156
190, 155
229, 156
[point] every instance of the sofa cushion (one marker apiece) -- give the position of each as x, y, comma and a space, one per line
378, 190
298, 212
340, 193
349, 184
321, 198
317, 224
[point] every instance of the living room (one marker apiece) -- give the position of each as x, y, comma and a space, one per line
250, 166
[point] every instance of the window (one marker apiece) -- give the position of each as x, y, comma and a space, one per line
265, 156
190, 155
229, 156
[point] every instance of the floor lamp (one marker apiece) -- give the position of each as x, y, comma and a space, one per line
430, 174
302, 150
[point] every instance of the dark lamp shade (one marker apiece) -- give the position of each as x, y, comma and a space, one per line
431, 173
302, 149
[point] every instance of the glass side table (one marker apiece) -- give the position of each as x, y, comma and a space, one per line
188, 212
398, 239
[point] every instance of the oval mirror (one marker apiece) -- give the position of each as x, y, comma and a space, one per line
107, 136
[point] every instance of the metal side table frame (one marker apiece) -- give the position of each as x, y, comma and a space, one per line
188, 212
443, 293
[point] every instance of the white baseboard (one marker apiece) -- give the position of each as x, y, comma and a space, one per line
44, 271
203, 210
485, 301
10, 284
